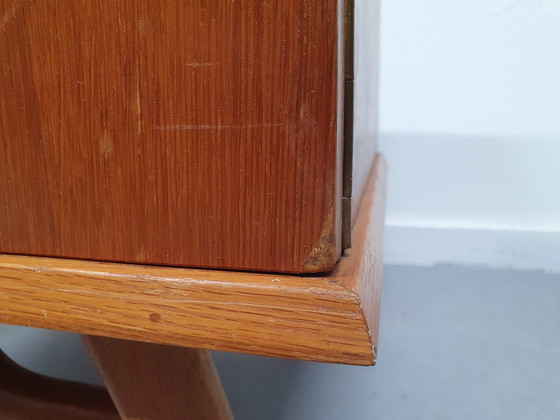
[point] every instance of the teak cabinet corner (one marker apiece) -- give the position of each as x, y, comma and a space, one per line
185, 133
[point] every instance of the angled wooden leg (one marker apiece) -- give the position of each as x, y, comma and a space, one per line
25, 395
159, 382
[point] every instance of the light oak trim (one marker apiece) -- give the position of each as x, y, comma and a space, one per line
333, 318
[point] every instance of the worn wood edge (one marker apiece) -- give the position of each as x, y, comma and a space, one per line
330, 318
361, 272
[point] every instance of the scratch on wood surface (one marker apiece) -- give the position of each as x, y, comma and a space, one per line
138, 109
81, 292
106, 146
142, 254
196, 64
10, 13
207, 303
216, 127
322, 256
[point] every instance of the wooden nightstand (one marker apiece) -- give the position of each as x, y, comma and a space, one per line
199, 174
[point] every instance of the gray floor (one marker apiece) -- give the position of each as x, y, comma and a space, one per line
456, 343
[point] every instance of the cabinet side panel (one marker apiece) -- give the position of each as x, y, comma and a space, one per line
366, 82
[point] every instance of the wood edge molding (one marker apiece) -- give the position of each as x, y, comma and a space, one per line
331, 318
361, 271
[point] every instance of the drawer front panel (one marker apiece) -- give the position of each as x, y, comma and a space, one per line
189, 133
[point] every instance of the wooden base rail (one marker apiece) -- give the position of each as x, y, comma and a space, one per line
145, 381
25, 395
330, 318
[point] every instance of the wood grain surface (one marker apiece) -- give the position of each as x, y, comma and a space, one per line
331, 318
25, 395
157, 382
190, 133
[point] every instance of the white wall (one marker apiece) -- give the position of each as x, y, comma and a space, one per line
470, 123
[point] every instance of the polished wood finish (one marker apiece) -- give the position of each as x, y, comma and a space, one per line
158, 382
332, 318
188, 133
25, 395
